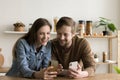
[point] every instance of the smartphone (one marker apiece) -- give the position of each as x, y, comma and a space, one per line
73, 65
53, 63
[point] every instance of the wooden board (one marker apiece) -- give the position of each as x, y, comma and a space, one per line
1, 60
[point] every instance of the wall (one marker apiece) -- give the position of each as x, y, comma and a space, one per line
29, 10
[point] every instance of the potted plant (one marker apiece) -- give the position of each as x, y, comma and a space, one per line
107, 24
117, 69
19, 26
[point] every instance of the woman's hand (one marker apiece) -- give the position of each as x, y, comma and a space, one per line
77, 73
61, 71
46, 74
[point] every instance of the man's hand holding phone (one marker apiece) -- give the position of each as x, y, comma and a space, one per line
73, 65
75, 70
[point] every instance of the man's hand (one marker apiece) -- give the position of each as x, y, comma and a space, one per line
77, 73
61, 71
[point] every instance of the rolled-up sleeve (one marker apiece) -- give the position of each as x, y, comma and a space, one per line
87, 58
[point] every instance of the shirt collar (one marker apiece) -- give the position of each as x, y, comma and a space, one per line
43, 49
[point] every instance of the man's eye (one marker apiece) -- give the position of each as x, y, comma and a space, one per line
58, 33
48, 33
66, 34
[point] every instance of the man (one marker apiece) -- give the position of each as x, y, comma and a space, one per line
67, 47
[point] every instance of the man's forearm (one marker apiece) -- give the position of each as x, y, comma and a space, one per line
84, 73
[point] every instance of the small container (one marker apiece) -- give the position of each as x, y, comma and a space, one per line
19, 26
81, 27
89, 27
104, 56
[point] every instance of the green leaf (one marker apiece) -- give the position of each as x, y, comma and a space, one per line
105, 19
106, 23
111, 27
117, 69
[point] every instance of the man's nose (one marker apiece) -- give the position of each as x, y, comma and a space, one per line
62, 37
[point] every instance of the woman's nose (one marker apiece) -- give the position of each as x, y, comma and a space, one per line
45, 36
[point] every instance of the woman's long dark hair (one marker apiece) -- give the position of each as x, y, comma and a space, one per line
31, 36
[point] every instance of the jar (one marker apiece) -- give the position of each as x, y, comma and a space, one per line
104, 56
89, 27
81, 27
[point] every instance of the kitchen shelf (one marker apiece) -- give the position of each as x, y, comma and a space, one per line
22, 32
109, 38
105, 63
15, 32
113, 36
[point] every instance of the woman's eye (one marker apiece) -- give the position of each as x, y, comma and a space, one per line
44, 33
41, 33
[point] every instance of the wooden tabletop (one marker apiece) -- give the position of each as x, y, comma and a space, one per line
96, 77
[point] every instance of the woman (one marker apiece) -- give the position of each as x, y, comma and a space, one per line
32, 53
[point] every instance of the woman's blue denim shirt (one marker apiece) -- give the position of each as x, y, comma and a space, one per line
28, 60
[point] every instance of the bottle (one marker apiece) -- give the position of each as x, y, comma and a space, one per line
104, 56
55, 22
81, 27
1, 58
89, 27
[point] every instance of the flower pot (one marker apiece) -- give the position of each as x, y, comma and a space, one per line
105, 33
96, 59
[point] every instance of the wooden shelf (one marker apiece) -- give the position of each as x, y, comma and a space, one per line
105, 63
113, 36
100, 36
15, 32
109, 38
